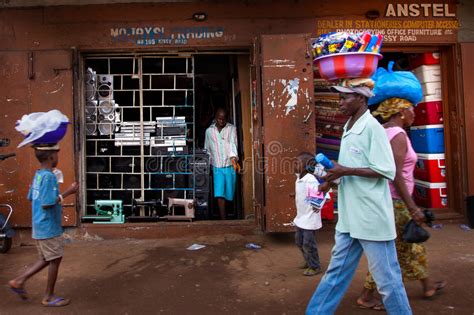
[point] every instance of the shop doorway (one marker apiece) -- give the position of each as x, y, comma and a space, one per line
216, 86
144, 119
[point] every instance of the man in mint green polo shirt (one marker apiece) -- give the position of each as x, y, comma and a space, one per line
366, 221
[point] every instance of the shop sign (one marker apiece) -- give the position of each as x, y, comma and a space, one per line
418, 10
160, 35
402, 23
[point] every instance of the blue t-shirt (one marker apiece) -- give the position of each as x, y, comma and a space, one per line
44, 192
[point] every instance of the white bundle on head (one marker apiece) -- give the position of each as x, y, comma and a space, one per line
35, 125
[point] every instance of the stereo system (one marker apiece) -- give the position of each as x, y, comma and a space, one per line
101, 111
105, 87
115, 149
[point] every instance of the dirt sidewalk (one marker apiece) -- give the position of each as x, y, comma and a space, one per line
161, 276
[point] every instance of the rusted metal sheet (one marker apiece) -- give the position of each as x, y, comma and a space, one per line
34, 82
287, 127
15, 173
52, 89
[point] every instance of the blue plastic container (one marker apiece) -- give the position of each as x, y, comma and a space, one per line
330, 154
324, 161
53, 136
428, 139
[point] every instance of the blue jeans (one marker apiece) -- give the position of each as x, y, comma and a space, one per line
383, 264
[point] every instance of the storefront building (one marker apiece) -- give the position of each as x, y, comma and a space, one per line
140, 83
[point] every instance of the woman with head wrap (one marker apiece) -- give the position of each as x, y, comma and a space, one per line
398, 113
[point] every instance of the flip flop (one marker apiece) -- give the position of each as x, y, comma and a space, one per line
20, 292
373, 306
56, 302
439, 285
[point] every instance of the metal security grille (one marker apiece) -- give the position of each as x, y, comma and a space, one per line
139, 124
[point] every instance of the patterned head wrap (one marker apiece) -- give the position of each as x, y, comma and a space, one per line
362, 86
391, 106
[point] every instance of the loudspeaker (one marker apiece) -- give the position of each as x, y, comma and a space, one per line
202, 205
131, 181
169, 181
97, 164
175, 165
161, 181
125, 164
199, 164
201, 182
200, 167
91, 129
91, 118
109, 181
106, 117
106, 128
90, 84
106, 110
105, 87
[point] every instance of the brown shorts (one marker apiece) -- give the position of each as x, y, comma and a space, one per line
51, 248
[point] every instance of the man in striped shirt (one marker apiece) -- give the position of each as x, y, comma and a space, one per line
221, 143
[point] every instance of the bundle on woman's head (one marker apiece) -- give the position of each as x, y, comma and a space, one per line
395, 85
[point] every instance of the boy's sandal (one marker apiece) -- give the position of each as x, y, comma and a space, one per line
56, 302
439, 285
20, 292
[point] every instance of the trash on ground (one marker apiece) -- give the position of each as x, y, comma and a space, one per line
253, 246
465, 227
196, 247
438, 226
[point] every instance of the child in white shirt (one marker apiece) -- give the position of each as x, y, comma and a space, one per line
308, 218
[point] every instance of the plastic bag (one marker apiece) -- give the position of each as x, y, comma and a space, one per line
35, 125
413, 233
401, 84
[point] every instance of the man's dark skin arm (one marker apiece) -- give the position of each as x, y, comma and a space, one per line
339, 171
